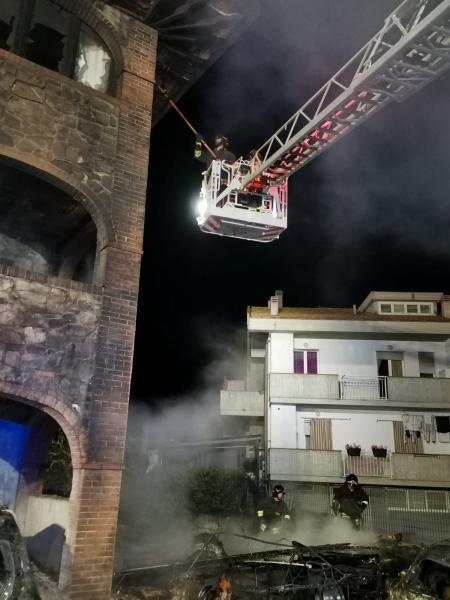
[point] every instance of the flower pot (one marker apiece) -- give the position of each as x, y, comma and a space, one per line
379, 452
353, 451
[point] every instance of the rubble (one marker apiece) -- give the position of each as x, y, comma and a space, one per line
332, 572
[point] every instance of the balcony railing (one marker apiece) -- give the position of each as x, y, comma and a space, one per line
367, 388
421, 467
402, 390
242, 403
367, 465
289, 385
298, 465
329, 465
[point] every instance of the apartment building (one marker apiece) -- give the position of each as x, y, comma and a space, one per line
320, 379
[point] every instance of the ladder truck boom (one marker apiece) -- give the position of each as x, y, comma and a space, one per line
410, 50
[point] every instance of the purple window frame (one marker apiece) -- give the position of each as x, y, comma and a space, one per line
311, 362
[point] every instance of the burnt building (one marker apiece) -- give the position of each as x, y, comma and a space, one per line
77, 81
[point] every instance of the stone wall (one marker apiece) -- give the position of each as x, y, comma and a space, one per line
48, 338
67, 124
79, 339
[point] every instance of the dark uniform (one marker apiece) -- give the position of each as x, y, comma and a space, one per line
220, 150
350, 500
273, 513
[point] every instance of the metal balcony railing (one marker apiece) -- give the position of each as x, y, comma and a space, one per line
367, 465
367, 388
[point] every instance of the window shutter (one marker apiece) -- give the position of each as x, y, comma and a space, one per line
321, 434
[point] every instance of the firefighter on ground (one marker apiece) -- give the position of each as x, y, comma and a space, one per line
350, 500
220, 148
273, 513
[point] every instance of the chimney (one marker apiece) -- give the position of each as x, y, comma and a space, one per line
279, 294
445, 307
274, 305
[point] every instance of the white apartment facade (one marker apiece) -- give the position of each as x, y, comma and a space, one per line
379, 374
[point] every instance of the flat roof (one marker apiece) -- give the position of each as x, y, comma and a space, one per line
337, 314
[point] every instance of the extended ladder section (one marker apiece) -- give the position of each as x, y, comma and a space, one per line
411, 49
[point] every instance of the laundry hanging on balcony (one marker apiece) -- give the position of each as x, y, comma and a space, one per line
413, 425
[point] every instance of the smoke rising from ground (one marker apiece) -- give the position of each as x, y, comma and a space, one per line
154, 522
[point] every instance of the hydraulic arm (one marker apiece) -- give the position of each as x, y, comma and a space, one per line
249, 198
410, 50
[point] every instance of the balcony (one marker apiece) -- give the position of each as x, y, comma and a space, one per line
305, 465
397, 390
422, 467
424, 470
311, 387
242, 403
389, 391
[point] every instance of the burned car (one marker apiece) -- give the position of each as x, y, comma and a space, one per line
16, 576
427, 577
330, 572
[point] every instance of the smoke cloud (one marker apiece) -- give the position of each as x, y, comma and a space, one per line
163, 448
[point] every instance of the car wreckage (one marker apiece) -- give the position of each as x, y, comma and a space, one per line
16, 575
389, 569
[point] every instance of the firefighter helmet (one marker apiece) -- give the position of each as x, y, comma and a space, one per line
278, 489
351, 477
221, 139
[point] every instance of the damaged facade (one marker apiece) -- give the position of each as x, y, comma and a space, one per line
378, 375
76, 105
75, 110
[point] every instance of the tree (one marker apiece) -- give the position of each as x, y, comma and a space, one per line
216, 491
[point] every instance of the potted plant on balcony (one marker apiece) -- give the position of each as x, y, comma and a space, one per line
379, 451
353, 449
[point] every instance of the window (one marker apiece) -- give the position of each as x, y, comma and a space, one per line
410, 308
426, 364
303, 432
8, 22
390, 364
399, 309
93, 62
305, 361
51, 36
46, 43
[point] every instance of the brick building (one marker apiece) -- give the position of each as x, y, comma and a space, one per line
76, 89
77, 84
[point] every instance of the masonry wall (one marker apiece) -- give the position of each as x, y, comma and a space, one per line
48, 337
69, 349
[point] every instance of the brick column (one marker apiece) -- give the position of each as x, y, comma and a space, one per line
98, 483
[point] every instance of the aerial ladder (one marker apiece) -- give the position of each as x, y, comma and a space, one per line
248, 199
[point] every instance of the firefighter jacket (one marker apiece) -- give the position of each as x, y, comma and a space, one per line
350, 503
206, 158
271, 511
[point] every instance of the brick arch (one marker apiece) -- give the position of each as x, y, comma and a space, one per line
87, 13
66, 417
68, 184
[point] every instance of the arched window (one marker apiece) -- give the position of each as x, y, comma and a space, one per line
46, 34
42, 229
93, 61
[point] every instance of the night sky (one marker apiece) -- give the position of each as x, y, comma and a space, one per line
371, 213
